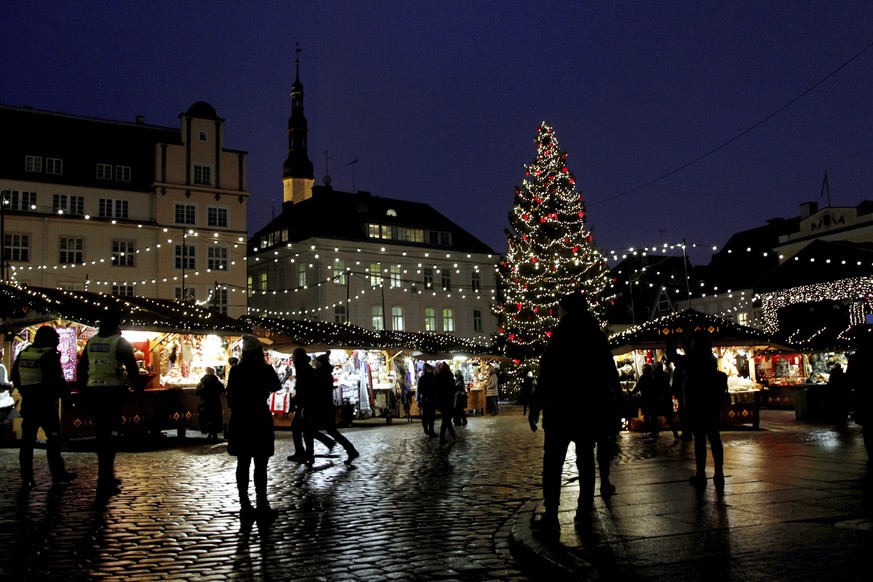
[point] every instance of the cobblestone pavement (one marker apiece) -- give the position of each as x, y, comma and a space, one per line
410, 509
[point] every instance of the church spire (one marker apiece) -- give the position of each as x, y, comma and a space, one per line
297, 175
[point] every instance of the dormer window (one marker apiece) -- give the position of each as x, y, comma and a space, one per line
391, 212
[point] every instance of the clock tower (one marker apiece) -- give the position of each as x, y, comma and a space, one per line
297, 176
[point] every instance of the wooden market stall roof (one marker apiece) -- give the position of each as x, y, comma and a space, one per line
682, 324
321, 335
23, 306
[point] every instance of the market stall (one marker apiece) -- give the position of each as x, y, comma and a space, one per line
173, 344
734, 345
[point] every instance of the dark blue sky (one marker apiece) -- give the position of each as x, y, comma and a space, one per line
440, 102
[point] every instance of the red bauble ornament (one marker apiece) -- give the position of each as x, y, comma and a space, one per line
548, 334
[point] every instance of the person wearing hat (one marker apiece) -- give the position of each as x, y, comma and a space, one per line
303, 390
250, 435
105, 369
38, 375
583, 410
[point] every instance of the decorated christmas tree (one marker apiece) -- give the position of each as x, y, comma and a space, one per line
550, 252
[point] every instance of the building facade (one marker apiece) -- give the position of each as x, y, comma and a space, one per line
380, 263
124, 208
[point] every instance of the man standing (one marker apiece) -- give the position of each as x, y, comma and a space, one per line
581, 410
106, 367
37, 374
491, 392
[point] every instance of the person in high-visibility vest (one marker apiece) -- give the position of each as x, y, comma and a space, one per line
106, 368
39, 378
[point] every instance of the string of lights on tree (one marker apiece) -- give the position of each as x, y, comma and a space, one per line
549, 251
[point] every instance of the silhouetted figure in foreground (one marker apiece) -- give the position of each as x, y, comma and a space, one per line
210, 411
250, 429
580, 408
860, 373
445, 389
461, 399
38, 375
427, 399
705, 389
324, 416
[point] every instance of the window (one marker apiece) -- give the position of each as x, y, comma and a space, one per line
202, 174
440, 238
375, 275
54, 166
301, 274
395, 276
430, 319
122, 173
218, 301
250, 286
378, 318
104, 171
16, 247
216, 217
380, 231
339, 271
428, 278
186, 257
64, 204
32, 164
202, 136
186, 214
448, 319
262, 281
743, 318
109, 208
415, 235
397, 318
72, 250
216, 258
123, 253
185, 293
15, 200
339, 314
123, 290
477, 320
446, 278
475, 282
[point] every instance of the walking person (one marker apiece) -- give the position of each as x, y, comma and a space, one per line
705, 389
324, 416
582, 411
664, 400
105, 369
38, 375
250, 435
210, 411
461, 398
528, 383
677, 385
427, 399
303, 391
491, 392
649, 394
445, 391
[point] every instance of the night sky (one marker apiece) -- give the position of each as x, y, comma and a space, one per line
440, 101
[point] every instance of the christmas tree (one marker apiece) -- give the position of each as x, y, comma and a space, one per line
550, 252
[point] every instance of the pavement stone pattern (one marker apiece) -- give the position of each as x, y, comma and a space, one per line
410, 509
797, 506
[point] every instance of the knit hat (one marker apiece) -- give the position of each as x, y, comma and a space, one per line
573, 302
250, 343
324, 359
299, 354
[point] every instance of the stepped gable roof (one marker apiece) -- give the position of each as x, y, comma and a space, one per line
346, 216
820, 261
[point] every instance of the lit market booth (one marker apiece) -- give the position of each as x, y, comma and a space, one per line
173, 344
371, 368
734, 345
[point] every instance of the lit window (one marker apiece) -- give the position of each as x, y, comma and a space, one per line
339, 272
395, 276
378, 318
301, 274
448, 319
430, 319
397, 318
375, 275
262, 281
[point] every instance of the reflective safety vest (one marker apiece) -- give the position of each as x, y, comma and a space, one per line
104, 368
28, 365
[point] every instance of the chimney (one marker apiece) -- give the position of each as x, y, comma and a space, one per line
140, 119
807, 209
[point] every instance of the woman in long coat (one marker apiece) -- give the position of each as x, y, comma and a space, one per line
250, 429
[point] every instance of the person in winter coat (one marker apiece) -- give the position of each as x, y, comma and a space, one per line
527, 388
705, 389
460, 400
250, 435
445, 391
38, 375
210, 410
582, 410
860, 377
492, 393
427, 399
324, 413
